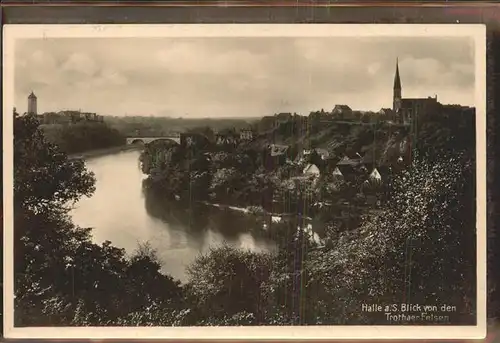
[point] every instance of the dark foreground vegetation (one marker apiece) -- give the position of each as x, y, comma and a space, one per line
418, 247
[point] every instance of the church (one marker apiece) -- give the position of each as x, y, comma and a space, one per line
408, 110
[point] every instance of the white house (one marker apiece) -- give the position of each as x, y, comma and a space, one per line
311, 170
337, 173
375, 175
246, 135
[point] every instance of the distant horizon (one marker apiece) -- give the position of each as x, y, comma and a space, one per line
217, 118
232, 77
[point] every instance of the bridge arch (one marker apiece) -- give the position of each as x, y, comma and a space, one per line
147, 140
137, 141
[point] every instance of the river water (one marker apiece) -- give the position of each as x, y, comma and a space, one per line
122, 212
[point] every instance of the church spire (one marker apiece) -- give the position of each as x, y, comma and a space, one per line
396, 95
397, 80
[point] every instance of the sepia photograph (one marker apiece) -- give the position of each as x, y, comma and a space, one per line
265, 181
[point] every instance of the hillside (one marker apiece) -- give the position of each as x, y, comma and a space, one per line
130, 126
379, 141
83, 136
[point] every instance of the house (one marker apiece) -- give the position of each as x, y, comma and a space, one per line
375, 176
417, 107
311, 170
386, 112
283, 117
409, 108
278, 150
350, 166
337, 174
246, 135
323, 153
349, 162
275, 155
193, 139
90, 116
342, 111
379, 174
226, 139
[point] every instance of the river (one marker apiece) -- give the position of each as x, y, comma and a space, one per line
122, 212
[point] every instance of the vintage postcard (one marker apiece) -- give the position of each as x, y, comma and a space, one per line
257, 181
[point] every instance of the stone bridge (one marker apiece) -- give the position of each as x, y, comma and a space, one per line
146, 140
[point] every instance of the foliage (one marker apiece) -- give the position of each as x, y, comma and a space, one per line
61, 277
80, 137
159, 126
227, 282
418, 248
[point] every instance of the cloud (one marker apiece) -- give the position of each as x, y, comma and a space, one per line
81, 64
238, 76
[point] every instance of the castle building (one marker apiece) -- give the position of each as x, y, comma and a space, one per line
408, 109
32, 104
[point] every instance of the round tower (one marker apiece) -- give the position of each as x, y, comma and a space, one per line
32, 104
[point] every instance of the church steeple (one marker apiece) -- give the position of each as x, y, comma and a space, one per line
396, 98
397, 80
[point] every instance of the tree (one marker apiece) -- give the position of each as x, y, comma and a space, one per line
227, 282
45, 184
420, 249
61, 276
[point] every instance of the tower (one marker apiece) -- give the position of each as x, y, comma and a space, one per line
396, 97
32, 104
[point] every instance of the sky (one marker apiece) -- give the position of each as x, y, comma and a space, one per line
238, 77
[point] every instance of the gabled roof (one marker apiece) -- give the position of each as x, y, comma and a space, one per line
337, 172
311, 169
375, 175
342, 107
346, 161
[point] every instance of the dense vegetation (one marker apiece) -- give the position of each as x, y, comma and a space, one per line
83, 136
159, 126
419, 247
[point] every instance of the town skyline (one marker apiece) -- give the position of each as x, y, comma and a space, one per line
238, 77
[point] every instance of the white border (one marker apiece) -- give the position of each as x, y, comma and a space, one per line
475, 31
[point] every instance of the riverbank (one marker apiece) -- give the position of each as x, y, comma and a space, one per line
103, 152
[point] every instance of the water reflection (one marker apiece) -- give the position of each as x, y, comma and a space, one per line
206, 225
126, 214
